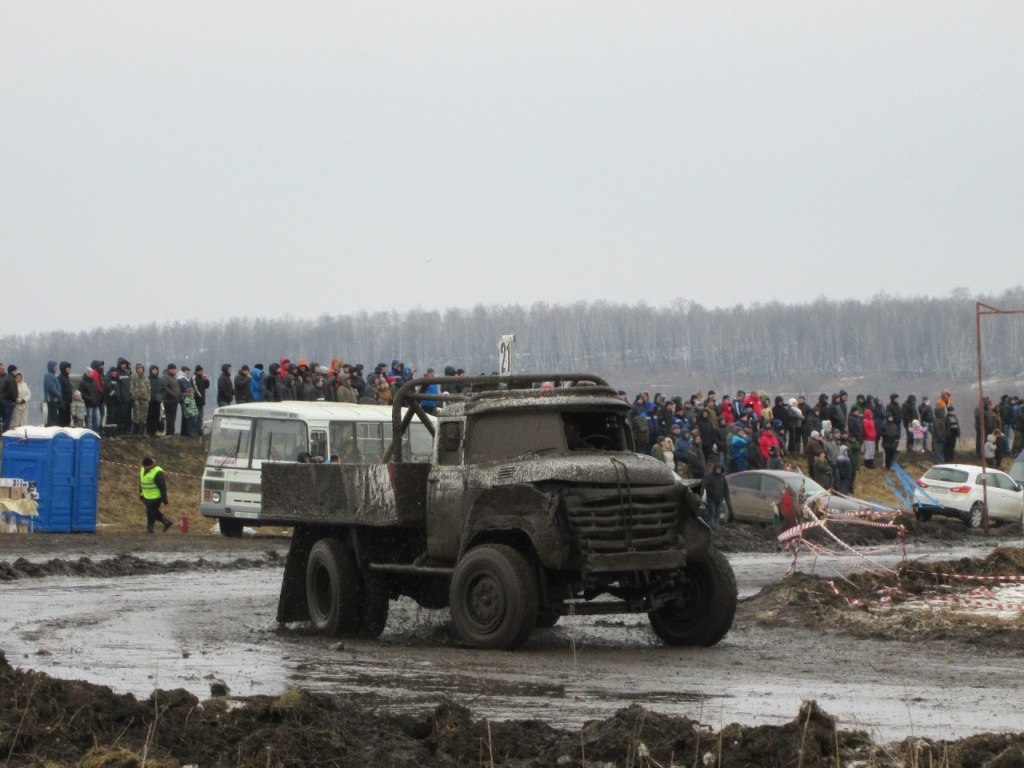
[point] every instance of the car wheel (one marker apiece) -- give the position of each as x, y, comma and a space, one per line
332, 587
973, 518
494, 597
704, 609
923, 515
729, 516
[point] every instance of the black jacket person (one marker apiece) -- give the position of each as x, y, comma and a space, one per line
153, 493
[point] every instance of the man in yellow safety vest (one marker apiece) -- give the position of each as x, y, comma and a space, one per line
153, 493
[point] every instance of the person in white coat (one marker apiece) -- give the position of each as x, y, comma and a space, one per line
21, 404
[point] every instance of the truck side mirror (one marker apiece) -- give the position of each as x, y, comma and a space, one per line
451, 437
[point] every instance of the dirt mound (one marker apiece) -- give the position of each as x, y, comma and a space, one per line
126, 565
939, 601
45, 721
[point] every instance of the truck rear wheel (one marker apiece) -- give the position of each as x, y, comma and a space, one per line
332, 587
704, 610
494, 597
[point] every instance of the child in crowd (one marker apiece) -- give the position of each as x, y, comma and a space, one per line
190, 411
77, 409
916, 435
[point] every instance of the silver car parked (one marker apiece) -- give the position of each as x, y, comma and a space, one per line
757, 493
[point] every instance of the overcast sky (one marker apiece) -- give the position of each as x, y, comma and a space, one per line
181, 160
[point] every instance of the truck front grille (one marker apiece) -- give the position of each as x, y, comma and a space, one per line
623, 519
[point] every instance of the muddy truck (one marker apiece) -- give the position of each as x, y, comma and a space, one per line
535, 505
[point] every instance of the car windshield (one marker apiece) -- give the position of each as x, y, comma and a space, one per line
806, 484
1017, 469
946, 475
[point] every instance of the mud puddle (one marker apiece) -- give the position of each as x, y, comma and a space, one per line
184, 629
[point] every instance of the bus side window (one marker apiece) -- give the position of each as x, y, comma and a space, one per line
318, 445
343, 441
418, 443
279, 440
371, 441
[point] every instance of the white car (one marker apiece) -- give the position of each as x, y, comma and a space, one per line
958, 490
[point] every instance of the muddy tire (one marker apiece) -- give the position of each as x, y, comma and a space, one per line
230, 528
704, 611
493, 597
374, 598
922, 515
973, 518
332, 588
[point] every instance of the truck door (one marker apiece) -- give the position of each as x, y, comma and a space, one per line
446, 492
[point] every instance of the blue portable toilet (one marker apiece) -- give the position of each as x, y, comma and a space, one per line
87, 477
48, 457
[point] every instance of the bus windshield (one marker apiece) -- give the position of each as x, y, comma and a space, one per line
229, 442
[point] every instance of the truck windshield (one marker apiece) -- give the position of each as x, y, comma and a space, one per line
497, 436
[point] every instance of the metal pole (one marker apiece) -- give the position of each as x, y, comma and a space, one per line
981, 423
979, 310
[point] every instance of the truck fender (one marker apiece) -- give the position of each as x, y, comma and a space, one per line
694, 530
513, 512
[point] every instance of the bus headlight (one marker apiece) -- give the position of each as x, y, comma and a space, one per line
215, 497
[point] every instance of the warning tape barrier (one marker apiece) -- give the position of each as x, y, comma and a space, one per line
977, 599
971, 603
135, 467
818, 516
971, 577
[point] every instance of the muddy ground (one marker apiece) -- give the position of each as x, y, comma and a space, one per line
414, 698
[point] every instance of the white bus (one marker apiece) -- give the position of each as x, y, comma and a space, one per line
244, 436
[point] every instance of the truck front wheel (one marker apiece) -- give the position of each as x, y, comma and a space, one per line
704, 610
332, 587
493, 597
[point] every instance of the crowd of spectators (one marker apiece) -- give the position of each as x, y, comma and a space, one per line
834, 436
147, 400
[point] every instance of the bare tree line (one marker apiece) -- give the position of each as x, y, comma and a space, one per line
887, 338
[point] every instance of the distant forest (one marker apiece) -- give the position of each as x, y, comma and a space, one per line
885, 338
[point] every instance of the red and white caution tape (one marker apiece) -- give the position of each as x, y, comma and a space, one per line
135, 468
1015, 578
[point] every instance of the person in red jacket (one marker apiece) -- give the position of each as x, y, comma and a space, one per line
767, 440
754, 401
870, 436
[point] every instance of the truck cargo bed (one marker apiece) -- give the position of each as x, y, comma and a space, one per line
345, 494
